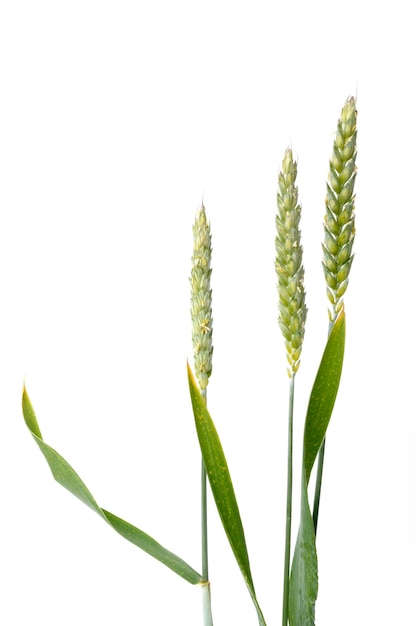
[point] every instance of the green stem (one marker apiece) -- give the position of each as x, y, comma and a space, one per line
204, 522
320, 468
206, 594
318, 485
286, 571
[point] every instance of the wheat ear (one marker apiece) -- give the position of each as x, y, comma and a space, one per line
289, 267
339, 222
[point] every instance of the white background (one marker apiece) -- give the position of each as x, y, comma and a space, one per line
116, 119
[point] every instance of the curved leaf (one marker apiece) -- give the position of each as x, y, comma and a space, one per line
221, 486
303, 588
323, 394
68, 478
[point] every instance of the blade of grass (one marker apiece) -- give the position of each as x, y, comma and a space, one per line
66, 476
303, 588
221, 486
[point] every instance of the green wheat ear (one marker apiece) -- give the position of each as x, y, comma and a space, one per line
201, 299
289, 267
339, 222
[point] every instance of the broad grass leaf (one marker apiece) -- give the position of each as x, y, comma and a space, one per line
221, 486
66, 476
303, 587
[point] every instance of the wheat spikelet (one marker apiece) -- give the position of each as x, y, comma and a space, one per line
289, 267
201, 299
339, 222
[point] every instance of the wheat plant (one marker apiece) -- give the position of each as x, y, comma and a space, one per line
201, 316
339, 233
300, 580
292, 318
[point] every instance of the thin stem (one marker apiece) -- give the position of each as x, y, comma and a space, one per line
204, 521
206, 594
286, 571
318, 485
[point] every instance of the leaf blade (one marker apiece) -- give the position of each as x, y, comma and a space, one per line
221, 486
303, 587
323, 394
66, 476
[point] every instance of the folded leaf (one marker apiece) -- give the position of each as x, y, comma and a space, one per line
303, 587
68, 478
221, 486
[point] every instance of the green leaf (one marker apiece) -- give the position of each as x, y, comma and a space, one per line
221, 486
323, 395
303, 584
68, 478
303, 588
